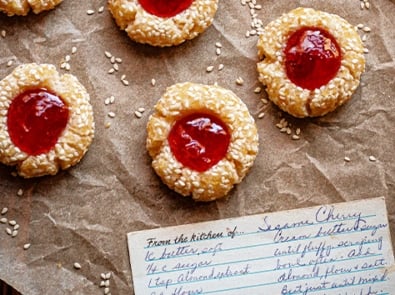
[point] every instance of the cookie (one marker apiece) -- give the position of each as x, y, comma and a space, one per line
311, 61
202, 140
22, 7
161, 22
46, 120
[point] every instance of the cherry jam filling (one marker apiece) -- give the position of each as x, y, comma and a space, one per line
199, 141
36, 118
312, 57
165, 8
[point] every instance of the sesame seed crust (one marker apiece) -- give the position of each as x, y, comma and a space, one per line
291, 98
22, 7
75, 139
146, 28
182, 99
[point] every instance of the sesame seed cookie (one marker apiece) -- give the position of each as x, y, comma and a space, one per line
163, 23
46, 120
202, 140
310, 61
22, 7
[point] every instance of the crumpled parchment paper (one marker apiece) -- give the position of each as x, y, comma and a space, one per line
83, 214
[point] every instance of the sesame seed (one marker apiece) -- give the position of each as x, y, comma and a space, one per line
347, 159
153, 82
297, 131
264, 101
20, 192
12, 222
10, 62
101, 9
26, 246
77, 265
112, 99
102, 283
372, 158
116, 67
218, 51
360, 26
107, 101
138, 114
295, 137
289, 131
125, 82
107, 125
14, 233
367, 5
111, 114
366, 29
123, 77
364, 38
8, 231
67, 67
141, 110
3, 33
103, 276
362, 5
108, 275
73, 50
209, 69
3, 220
261, 115
107, 54
4, 211
112, 59
218, 45
111, 71
67, 58
106, 291
257, 90
106, 283
90, 12
239, 81
16, 226
220, 67
118, 60
365, 50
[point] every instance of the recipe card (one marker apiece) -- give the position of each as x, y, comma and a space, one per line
339, 249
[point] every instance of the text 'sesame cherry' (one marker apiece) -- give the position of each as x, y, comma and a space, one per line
165, 8
199, 141
35, 120
312, 57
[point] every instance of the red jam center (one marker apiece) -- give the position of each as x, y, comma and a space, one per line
35, 120
199, 141
165, 8
312, 57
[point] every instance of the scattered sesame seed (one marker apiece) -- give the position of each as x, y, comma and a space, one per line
112, 59
364, 38
125, 82
295, 137
116, 67
220, 67
16, 226
289, 131
106, 283
111, 114
261, 115
3, 220
101, 9
372, 158
107, 101
209, 69
12, 222
103, 276
153, 82
8, 231
3, 33
123, 77
112, 99
90, 12
367, 5
366, 29
26, 246
297, 131
20, 192
111, 71
77, 265
138, 114
10, 62
108, 275
4, 210
14, 233
102, 284
360, 26
347, 159
239, 81
141, 110
118, 60
218, 45
218, 51
258, 90
73, 50
107, 54
264, 101
106, 291
365, 50
107, 125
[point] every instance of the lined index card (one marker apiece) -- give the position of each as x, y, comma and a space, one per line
338, 249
